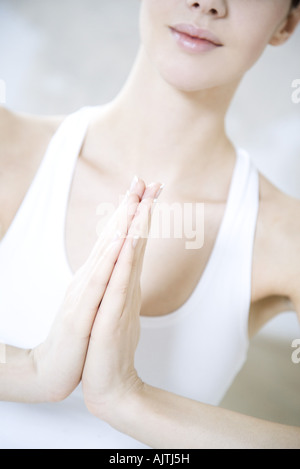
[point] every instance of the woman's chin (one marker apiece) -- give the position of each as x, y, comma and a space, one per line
185, 82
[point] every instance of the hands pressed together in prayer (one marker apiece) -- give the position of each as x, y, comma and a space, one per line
94, 340
96, 332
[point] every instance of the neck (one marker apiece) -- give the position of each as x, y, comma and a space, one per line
172, 133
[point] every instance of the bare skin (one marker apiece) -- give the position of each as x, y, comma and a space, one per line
196, 167
269, 297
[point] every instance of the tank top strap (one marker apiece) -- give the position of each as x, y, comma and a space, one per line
43, 207
243, 199
242, 204
60, 161
243, 235
229, 268
231, 263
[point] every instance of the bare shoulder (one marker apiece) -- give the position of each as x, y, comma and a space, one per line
278, 235
23, 142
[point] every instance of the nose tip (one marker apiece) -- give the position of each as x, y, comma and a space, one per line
212, 7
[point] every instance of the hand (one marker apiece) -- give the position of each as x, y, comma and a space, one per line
59, 361
109, 370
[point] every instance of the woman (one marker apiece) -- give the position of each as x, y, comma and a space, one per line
198, 306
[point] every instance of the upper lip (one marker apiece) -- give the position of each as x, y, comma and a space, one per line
194, 31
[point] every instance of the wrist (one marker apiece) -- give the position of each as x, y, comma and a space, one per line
36, 391
18, 379
116, 406
48, 385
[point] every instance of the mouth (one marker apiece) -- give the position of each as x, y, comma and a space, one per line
194, 39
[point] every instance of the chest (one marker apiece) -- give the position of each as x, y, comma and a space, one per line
179, 248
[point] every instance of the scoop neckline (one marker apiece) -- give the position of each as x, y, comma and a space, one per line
183, 310
201, 284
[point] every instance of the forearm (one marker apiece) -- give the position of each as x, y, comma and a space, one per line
163, 420
18, 380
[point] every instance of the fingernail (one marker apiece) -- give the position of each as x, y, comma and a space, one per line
117, 236
134, 183
126, 197
135, 241
159, 192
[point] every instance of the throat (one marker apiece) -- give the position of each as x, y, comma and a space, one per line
186, 133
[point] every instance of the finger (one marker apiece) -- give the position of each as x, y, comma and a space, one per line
138, 187
137, 190
139, 232
130, 260
120, 221
87, 289
84, 296
116, 292
135, 194
153, 191
141, 225
140, 236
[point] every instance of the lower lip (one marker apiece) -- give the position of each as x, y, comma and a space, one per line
192, 44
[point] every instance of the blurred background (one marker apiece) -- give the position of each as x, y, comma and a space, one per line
59, 55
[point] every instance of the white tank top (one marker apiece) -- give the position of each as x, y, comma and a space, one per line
196, 351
